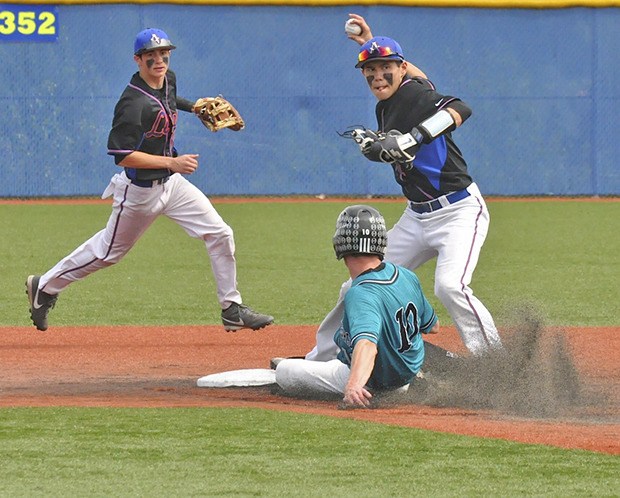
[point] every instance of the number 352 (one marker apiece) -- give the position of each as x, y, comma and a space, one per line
34, 24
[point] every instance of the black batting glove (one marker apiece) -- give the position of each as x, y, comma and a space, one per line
397, 147
368, 142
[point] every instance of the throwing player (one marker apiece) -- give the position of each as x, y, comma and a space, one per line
385, 313
151, 184
446, 216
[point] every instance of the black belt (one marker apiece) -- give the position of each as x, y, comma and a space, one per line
150, 183
435, 204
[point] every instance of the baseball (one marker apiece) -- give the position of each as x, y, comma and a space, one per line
351, 28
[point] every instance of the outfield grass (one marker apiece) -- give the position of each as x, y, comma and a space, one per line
561, 257
248, 452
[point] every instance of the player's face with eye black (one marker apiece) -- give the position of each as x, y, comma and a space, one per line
384, 77
153, 64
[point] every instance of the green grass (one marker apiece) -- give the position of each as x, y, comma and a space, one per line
560, 256
217, 452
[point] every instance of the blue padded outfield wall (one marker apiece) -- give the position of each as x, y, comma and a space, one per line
543, 85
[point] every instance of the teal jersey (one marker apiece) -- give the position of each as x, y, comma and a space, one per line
387, 306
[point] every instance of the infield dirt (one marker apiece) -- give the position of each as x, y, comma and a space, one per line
565, 392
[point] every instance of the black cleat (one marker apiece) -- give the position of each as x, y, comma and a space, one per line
40, 302
239, 316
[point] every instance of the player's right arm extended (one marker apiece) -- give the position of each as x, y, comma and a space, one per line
362, 365
186, 163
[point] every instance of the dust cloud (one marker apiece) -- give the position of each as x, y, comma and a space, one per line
533, 375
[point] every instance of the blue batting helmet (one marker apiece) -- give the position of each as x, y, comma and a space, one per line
151, 39
379, 48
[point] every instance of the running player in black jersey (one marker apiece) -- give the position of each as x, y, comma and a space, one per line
151, 184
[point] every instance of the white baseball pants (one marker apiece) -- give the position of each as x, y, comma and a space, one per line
311, 379
324, 379
134, 209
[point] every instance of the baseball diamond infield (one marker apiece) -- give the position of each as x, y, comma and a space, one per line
158, 366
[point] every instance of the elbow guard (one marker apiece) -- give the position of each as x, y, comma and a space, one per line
442, 121
429, 129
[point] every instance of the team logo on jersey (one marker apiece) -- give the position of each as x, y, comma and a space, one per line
343, 339
162, 125
346, 336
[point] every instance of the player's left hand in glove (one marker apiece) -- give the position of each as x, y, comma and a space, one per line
369, 143
388, 147
217, 113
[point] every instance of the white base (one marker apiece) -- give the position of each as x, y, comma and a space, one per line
239, 378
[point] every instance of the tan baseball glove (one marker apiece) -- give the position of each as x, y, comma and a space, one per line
217, 113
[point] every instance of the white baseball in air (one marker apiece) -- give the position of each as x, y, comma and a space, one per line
351, 28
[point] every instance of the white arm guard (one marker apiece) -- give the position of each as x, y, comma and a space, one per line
434, 126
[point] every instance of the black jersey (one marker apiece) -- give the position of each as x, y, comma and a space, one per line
145, 120
439, 167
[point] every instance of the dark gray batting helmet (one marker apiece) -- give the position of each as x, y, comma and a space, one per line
360, 229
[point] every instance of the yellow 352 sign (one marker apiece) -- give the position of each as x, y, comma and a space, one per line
36, 23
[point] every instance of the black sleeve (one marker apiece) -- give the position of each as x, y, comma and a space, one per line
461, 107
184, 104
423, 82
126, 132
440, 101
